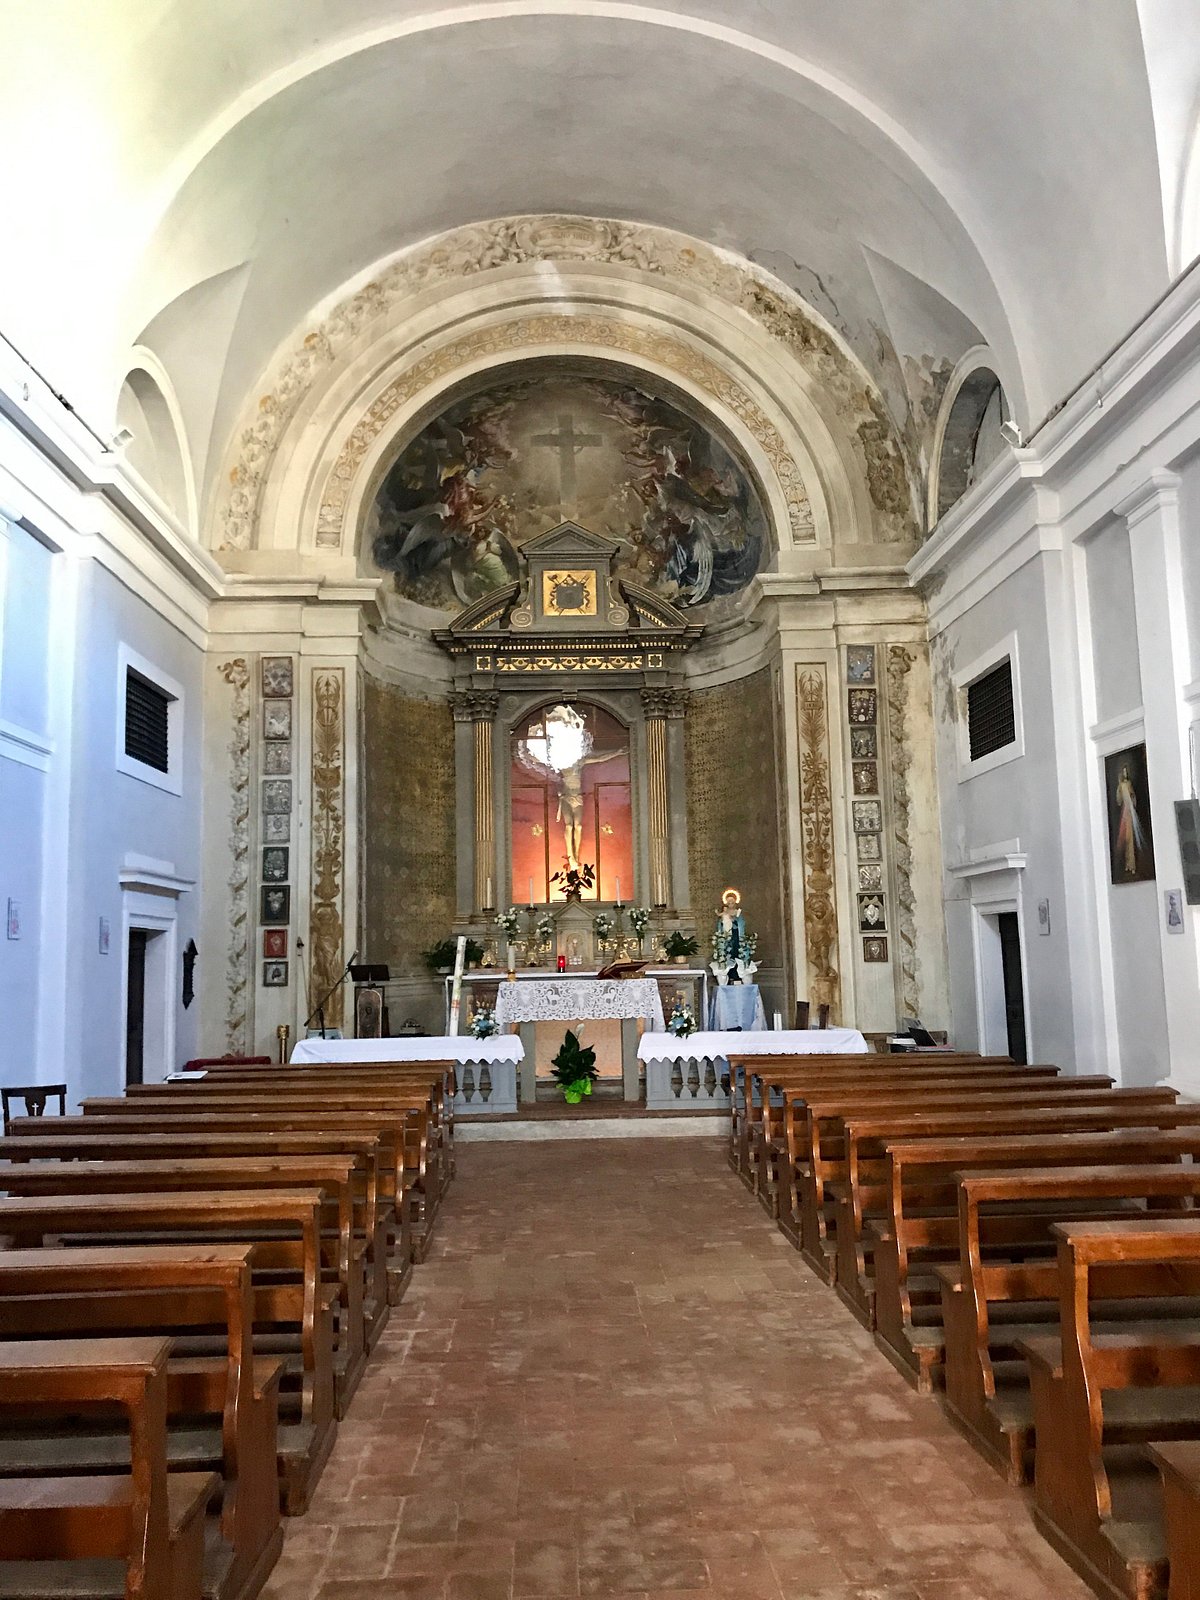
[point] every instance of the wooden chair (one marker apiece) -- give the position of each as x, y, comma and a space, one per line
33, 1097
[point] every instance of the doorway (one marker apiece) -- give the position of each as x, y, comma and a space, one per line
1014, 984
135, 1007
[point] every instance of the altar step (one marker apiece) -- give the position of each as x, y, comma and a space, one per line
599, 1118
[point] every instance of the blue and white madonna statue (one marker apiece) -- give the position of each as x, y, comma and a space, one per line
733, 949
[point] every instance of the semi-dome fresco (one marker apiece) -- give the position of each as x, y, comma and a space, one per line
504, 465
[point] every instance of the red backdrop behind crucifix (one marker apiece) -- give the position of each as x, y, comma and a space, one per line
571, 801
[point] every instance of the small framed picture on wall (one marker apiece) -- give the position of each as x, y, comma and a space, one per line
275, 974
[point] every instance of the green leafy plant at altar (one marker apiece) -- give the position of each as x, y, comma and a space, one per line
682, 1020
440, 957
575, 1069
483, 1023
574, 880
679, 946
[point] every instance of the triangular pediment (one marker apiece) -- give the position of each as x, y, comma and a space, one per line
569, 541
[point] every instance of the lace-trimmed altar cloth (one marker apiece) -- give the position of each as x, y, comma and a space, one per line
710, 1046
578, 1000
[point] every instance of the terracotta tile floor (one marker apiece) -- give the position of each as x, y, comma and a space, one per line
614, 1376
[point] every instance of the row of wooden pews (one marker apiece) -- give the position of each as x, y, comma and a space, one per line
192, 1281
1025, 1245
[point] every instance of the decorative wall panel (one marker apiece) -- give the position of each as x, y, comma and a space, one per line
236, 674
408, 849
733, 824
816, 822
899, 667
328, 837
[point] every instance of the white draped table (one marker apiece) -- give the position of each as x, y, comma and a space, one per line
691, 1072
487, 1068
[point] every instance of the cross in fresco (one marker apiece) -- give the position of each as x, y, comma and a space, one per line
568, 443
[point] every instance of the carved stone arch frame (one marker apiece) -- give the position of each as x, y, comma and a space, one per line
515, 707
758, 397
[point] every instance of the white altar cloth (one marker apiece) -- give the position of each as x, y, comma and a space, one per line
462, 1047
578, 1000
709, 1046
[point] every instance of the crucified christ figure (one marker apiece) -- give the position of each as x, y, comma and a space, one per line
570, 801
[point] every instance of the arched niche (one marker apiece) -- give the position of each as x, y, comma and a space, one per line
156, 448
968, 437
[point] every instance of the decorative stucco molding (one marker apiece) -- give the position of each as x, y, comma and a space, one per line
328, 836
466, 253
816, 821
236, 674
900, 663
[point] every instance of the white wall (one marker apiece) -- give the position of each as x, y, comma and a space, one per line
1086, 545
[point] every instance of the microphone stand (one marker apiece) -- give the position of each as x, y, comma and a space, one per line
318, 1010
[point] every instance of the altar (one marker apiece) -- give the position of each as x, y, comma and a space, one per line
574, 1002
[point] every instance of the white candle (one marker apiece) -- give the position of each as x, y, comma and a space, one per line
488, 901
512, 956
778, 1022
618, 891
531, 891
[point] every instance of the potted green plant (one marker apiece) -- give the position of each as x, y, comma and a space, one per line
574, 880
680, 947
440, 957
575, 1069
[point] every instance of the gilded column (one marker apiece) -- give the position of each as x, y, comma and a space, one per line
658, 706
479, 707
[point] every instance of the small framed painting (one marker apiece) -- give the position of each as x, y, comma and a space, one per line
866, 777
871, 915
275, 863
860, 663
869, 847
277, 758
275, 904
275, 974
1130, 843
868, 816
862, 705
1173, 910
864, 744
275, 943
277, 827
277, 795
870, 877
277, 719
276, 677
875, 949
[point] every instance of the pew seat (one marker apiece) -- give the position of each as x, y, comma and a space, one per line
1179, 1465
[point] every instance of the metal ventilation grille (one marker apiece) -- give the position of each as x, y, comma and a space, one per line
990, 720
146, 723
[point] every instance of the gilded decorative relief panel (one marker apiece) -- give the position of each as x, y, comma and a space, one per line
816, 822
328, 836
236, 674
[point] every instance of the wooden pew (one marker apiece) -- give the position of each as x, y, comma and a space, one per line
747, 1103
97, 1142
65, 1293
772, 1155
286, 1226
400, 1134
927, 1247
1101, 1398
837, 1144
1179, 1465
138, 1533
402, 1117
868, 1136
354, 1230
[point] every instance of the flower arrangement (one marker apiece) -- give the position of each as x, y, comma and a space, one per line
543, 928
509, 921
682, 1020
483, 1023
574, 880
720, 947
639, 919
749, 946
441, 957
575, 1069
602, 925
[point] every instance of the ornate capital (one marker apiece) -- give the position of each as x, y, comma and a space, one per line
663, 702
474, 705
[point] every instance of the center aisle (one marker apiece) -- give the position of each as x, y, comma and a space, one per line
614, 1376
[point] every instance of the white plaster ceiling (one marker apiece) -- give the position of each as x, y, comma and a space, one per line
1017, 157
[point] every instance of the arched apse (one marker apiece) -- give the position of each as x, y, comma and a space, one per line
968, 437
156, 449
